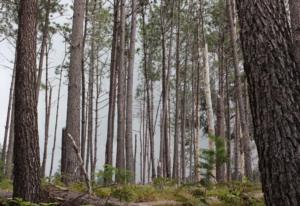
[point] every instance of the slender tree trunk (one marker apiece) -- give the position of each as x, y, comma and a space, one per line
9, 116
83, 97
135, 157
274, 97
177, 129
71, 172
220, 126
183, 118
43, 48
120, 159
56, 117
228, 127
10, 149
47, 115
128, 138
238, 89
112, 93
26, 145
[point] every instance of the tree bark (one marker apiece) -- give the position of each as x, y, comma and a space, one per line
220, 125
294, 6
26, 145
238, 89
128, 136
71, 172
177, 103
274, 90
120, 159
112, 94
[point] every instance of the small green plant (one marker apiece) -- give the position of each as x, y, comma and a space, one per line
124, 193
209, 157
121, 175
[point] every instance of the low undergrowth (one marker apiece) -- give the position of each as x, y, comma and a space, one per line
227, 194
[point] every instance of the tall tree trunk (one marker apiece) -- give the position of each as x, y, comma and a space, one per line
43, 48
10, 150
135, 157
56, 117
26, 145
128, 138
70, 174
112, 93
220, 126
183, 117
9, 116
236, 149
238, 89
120, 159
47, 115
83, 92
177, 104
209, 109
274, 91
228, 126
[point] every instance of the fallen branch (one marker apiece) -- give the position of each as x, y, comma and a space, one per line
86, 177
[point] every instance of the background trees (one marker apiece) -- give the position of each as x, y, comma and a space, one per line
168, 73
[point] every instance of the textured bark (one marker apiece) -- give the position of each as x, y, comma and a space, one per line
112, 93
236, 148
274, 90
56, 117
294, 6
129, 144
26, 145
120, 159
71, 172
238, 90
9, 116
43, 48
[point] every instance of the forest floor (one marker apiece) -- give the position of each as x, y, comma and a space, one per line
229, 194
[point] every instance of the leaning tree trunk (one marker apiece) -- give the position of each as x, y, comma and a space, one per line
56, 118
274, 91
26, 146
9, 116
70, 174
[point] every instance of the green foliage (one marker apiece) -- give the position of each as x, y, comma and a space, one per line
210, 157
121, 175
162, 182
124, 193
